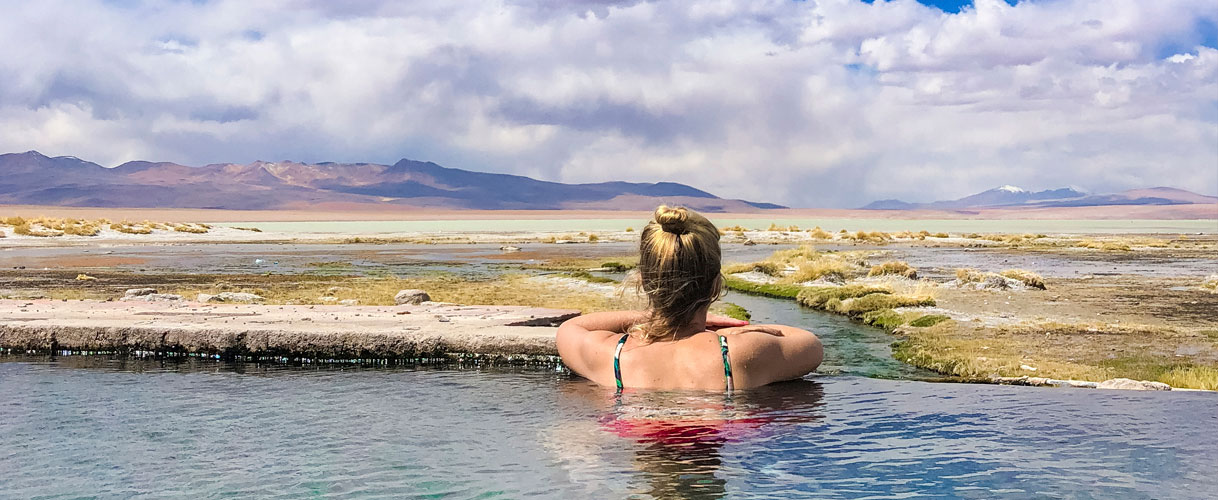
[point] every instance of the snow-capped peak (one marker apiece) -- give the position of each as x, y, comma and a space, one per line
1012, 189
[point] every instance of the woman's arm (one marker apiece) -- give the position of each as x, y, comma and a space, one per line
609, 321
581, 340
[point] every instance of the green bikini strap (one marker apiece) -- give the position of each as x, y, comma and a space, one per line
727, 363
617, 366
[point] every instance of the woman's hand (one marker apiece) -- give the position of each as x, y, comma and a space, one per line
715, 321
750, 328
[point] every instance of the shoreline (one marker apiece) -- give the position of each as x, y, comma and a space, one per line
514, 334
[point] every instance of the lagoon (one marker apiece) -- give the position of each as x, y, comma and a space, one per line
1207, 226
101, 427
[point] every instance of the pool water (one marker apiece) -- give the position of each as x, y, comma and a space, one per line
112, 428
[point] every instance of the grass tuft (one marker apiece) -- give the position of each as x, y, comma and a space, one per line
895, 267
1027, 277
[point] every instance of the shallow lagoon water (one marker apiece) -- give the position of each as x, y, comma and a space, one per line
96, 427
1209, 226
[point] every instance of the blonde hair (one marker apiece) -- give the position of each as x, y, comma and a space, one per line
679, 270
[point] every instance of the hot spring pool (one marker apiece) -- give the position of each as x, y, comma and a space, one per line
98, 427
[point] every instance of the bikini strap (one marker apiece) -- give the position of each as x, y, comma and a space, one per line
617, 366
727, 363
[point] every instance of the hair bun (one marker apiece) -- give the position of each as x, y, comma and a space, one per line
672, 219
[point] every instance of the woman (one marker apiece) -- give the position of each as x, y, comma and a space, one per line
675, 344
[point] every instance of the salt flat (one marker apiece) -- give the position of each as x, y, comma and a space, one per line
345, 332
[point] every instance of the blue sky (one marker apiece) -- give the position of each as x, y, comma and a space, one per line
815, 103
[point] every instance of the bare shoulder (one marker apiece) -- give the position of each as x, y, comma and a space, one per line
762, 354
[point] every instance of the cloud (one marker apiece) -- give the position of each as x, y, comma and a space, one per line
820, 103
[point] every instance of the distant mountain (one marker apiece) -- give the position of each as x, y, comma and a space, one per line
1015, 197
35, 179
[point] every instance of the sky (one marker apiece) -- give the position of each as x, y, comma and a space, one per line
831, 103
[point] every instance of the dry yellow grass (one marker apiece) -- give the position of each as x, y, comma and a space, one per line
1107, 246
969, 275
804, 263
511, 289
1211, 283
1027, 277
1055, 350
817, 233
130, 228
29, 230
191, 228
894, 267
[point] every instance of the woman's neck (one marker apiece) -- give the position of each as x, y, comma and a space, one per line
695, 326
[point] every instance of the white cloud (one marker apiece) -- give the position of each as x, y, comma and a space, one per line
830, 103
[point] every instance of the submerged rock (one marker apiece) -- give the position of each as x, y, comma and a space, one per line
137, 292
230, 297
411, 297
1133, 385
509, 249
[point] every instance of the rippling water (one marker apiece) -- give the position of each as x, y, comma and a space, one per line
90, 426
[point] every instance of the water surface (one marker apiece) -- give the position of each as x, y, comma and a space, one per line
93, 427
1209, 226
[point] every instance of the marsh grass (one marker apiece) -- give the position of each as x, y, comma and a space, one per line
56, 226
858, 306
732, 311
1056, 350
817, 233
776, 290
510, 289
1107, 246
589, 277
28, 229
621, 263
1028, 278
191, 228
1210, 283
803, 264
131, 228
894, 267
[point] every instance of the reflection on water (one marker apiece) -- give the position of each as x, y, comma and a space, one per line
680, 436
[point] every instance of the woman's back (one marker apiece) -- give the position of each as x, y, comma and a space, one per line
675, 344
756, 356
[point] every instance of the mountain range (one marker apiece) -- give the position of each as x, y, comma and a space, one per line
32, 178
1015, 197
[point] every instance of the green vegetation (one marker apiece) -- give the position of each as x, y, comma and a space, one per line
589, 277
884, 318
928, 320
856, 307
617, 267
768, 290
735, 311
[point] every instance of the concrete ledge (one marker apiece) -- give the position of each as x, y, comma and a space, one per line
315, 332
